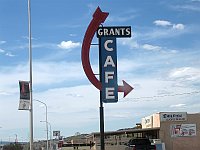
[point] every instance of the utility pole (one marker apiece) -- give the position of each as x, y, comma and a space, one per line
30, 65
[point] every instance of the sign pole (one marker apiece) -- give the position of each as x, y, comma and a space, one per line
30, 63
101, 108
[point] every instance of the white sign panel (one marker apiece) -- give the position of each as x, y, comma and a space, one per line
181, 130
24, 104
147, 122
173, 116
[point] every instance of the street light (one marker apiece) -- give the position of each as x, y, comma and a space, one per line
46, 121
16, 140
50, 134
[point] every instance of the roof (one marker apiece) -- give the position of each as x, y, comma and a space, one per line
124, 131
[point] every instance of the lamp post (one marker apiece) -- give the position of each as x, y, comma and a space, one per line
50, 134
16, 140
1, 138
45, 121
30, 74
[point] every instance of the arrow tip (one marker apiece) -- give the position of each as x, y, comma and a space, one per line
100, 15
127, 88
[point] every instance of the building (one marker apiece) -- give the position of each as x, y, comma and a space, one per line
116, 140
178, 130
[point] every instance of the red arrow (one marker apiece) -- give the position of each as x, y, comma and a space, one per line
98, 18
126, 88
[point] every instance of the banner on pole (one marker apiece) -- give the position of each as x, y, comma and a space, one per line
24, 101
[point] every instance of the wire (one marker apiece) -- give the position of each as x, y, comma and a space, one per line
158, 96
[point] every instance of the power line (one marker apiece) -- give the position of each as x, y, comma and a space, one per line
159, 96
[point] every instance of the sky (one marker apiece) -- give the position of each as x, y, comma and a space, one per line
160, 61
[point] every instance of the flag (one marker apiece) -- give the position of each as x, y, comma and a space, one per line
24, 101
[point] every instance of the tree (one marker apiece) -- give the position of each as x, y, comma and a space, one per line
12, 146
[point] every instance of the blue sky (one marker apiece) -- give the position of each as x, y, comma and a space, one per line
160, 60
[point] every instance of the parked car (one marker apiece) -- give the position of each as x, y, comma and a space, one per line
140, 144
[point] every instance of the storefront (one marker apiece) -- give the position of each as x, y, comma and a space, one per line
178, 130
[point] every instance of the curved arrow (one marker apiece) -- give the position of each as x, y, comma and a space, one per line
98, 18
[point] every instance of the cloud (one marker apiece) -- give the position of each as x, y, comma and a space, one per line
156, 48
27, 38
151, 47
44, 74
178, 106
82, 101
195, 0
2, 42
4, 93
131, 42
188, 7
162, 23
185, 77
6, 53
68, 44
126, 65
72, 35
185, 73
52, 73
165, 23
178, 26
9, 54
2, 51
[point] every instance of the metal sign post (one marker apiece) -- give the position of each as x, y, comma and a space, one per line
107, 84
30, 65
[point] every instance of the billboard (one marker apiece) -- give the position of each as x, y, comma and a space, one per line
181, 130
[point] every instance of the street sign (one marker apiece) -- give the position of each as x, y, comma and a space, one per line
56, 133
98, 18
107, 85
108, 70
115, 31
108, 54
